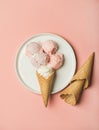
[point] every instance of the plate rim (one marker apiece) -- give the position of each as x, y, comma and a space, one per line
17, 55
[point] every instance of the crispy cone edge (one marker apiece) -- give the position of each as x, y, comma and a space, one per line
72, 94
45, 86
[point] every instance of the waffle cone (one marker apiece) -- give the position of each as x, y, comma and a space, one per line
85, 71
79, 81
45, 86
72, 93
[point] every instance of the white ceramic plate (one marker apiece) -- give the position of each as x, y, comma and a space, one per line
26, 71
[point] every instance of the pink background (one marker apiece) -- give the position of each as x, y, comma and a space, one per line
77, 21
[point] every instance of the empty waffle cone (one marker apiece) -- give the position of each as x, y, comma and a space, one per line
45, 86
79, 81
72, 93
85, 71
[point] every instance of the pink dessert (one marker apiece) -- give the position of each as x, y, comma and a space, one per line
45, 53
32, 48
56, 60
39, 59
50, 47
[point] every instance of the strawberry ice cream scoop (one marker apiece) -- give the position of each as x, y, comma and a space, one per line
39, 59
56, 60
32, 48
50, 47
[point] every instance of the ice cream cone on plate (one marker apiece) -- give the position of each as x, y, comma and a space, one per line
45, 83
45, 58
81, 80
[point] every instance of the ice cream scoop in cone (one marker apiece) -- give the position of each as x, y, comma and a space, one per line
45, 58
80, 80
45, 86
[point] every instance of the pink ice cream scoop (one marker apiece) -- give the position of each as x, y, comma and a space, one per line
39, 59
56, 60
50, 47
32, 48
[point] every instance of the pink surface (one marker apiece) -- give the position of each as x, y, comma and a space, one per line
77, 21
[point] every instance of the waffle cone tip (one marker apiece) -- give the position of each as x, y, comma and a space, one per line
46, 104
